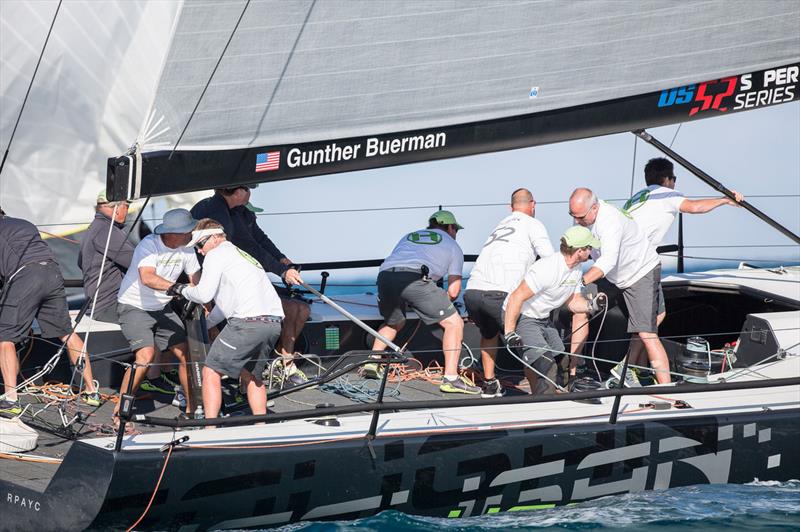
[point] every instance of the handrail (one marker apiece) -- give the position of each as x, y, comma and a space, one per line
456, 403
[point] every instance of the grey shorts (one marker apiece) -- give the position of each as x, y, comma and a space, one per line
399, 290
240, 342
541, 338
161, 329
106, 315
36, 291
643, 299
485, 308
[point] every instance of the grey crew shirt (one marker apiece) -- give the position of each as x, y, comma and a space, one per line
118, 260
20, 244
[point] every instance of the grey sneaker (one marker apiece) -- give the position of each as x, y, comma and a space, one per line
10, 408
460, 385
492, 388
180, 399
372, 370
631, 380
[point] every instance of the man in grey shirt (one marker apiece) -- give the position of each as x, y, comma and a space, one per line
117, 253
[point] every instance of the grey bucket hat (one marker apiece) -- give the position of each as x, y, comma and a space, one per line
176, 221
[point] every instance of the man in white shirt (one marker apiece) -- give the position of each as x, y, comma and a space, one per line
630, 263
244, 296
655, 208
505, 257
145, 316
407, 278
546, 285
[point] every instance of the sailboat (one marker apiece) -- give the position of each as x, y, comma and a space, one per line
324, 87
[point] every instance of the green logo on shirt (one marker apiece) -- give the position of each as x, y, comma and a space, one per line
424, 237
636, 201
249, 258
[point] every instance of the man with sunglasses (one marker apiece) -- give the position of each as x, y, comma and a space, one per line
232, 209
244, 296
628, 262
655, 209
407, 278
546, 286
105, 240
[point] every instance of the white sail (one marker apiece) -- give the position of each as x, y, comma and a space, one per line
96, 80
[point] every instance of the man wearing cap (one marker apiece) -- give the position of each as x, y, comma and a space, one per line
231, 207
508, 252
105, 241
243, 296
407, 278
32, 287
630, 263
145, 316
654, 208
547, 284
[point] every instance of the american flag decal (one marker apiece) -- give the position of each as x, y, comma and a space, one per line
268, 161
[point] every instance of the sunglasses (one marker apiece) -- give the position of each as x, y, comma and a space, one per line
201, 243
581, 217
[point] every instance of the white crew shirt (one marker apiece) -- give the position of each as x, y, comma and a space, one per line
655, 209
430, 247
625, 254
238, 285
508, 253
552, 283
169, 264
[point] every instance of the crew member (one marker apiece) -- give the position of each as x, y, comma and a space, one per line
407, 278
32, 287
654, 209
507, 254
231, 207
630, 263
244, 296
105, 240
145, 316
547, 284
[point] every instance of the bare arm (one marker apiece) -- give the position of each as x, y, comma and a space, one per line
577, 304
593, 275
703, 206
148, 276
514, 305
453, 286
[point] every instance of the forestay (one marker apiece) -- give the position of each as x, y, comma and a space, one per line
322, 86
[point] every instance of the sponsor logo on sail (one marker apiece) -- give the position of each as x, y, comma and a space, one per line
268, 161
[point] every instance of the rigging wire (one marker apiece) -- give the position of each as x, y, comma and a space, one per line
30, 85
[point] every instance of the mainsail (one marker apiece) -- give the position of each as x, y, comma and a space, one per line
269, 90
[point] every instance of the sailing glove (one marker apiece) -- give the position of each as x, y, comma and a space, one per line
176, 290
513, 340
597, 303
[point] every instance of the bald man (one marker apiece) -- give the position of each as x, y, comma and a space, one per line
509, 251
628, 261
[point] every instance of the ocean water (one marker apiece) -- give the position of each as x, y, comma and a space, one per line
755, 506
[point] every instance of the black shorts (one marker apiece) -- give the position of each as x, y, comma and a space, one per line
36, 291
485, 309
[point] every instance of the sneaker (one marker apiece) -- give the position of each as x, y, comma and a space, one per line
180, 399
631, 380
91, 398
460, 385
159, 385
171, 377
10, 408
296, 377
372, 371
492, 388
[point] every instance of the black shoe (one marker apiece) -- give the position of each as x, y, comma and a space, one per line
492, 388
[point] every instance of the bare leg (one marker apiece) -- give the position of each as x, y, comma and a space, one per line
488, 356
144, 357
389, 332
637, 356
453, 327
657, 355
212, 393
180, 351
256, 393
74, 349
9, 367
533, 378
297, 314
580, 332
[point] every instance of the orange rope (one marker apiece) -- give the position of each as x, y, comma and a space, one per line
71, 241
153, 496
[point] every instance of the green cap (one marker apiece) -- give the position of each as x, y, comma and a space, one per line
445, 218
252, 208
578, 236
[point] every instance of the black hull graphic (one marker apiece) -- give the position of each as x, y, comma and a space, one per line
445, 474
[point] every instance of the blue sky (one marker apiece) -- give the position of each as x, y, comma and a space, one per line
756, 153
